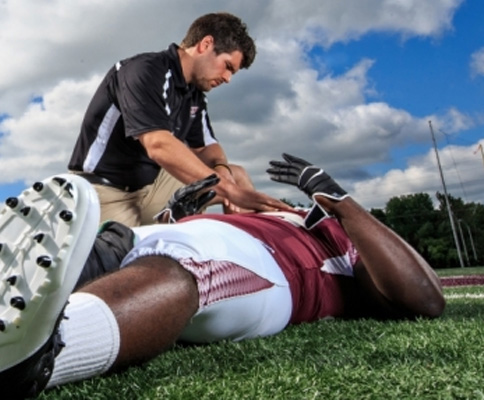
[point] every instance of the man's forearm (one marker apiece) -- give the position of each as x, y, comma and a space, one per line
176, 158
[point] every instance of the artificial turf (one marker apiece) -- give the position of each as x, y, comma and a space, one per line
364, 359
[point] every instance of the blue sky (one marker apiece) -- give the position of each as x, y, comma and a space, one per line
348, 85
423, 75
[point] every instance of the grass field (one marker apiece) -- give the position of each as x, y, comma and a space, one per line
366, 359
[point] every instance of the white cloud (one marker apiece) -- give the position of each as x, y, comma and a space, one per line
44, 42
461, 169
39, 142
477, 62
60, 50
328, 22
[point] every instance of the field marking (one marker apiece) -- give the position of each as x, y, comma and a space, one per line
464, 296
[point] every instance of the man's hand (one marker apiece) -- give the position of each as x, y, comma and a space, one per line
250, 199
188, 200
310, 179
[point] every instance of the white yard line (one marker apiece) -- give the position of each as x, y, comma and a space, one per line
464, 296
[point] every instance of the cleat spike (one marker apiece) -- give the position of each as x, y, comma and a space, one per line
68, 188
12, 280
59, 180
38, 186
12, 202
39, 237
32, 309
66, 215
25, 211
17, 302
44, 261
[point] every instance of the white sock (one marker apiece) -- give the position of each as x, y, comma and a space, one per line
91, 335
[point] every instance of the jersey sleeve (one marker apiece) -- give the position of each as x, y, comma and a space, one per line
143, 87
201, 133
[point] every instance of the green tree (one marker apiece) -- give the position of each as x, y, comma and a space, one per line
468, 221
379, 214
412, 217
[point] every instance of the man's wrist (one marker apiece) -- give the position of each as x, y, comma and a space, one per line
223, 165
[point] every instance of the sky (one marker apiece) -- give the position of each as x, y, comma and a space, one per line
353, 86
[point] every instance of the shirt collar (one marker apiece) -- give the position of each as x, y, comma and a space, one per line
177, 71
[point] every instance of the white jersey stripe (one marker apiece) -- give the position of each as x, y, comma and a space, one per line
340, 265
166, 87
98, 147
207, 137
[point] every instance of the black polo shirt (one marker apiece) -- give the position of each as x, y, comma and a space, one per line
143, 93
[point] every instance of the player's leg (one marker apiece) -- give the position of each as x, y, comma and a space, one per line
136, 313
242, 291
152, 300
124, 318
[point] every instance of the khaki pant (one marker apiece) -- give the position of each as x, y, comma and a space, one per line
136, 208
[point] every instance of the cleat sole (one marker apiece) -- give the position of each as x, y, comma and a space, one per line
46, 234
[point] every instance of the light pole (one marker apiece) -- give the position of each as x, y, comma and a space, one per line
451, 218
463, 242
471, 238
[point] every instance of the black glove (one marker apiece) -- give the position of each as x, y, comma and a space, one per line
187, 200
310, 179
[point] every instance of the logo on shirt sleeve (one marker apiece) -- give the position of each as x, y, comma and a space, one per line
193, 111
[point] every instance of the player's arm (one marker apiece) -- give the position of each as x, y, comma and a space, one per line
390, 271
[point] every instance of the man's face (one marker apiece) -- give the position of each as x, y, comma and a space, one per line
211, 70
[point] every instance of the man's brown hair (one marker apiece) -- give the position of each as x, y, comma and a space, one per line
229, 34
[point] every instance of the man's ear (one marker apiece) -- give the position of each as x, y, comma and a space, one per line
205, 44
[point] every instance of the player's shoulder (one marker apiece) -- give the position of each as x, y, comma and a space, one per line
145, 63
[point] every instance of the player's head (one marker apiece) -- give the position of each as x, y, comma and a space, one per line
229, 34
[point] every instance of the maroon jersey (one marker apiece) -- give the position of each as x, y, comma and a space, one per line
318, 264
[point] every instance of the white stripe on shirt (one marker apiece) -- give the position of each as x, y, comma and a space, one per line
207, 137
99, 145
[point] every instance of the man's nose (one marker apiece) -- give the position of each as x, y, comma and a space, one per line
227, 76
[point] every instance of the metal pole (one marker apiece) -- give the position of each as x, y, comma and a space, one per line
452, 224
463, 242
482, 152
471, 238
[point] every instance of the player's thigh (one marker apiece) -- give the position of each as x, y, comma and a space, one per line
242, 291
262, 313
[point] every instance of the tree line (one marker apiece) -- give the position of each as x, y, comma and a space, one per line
429, 229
